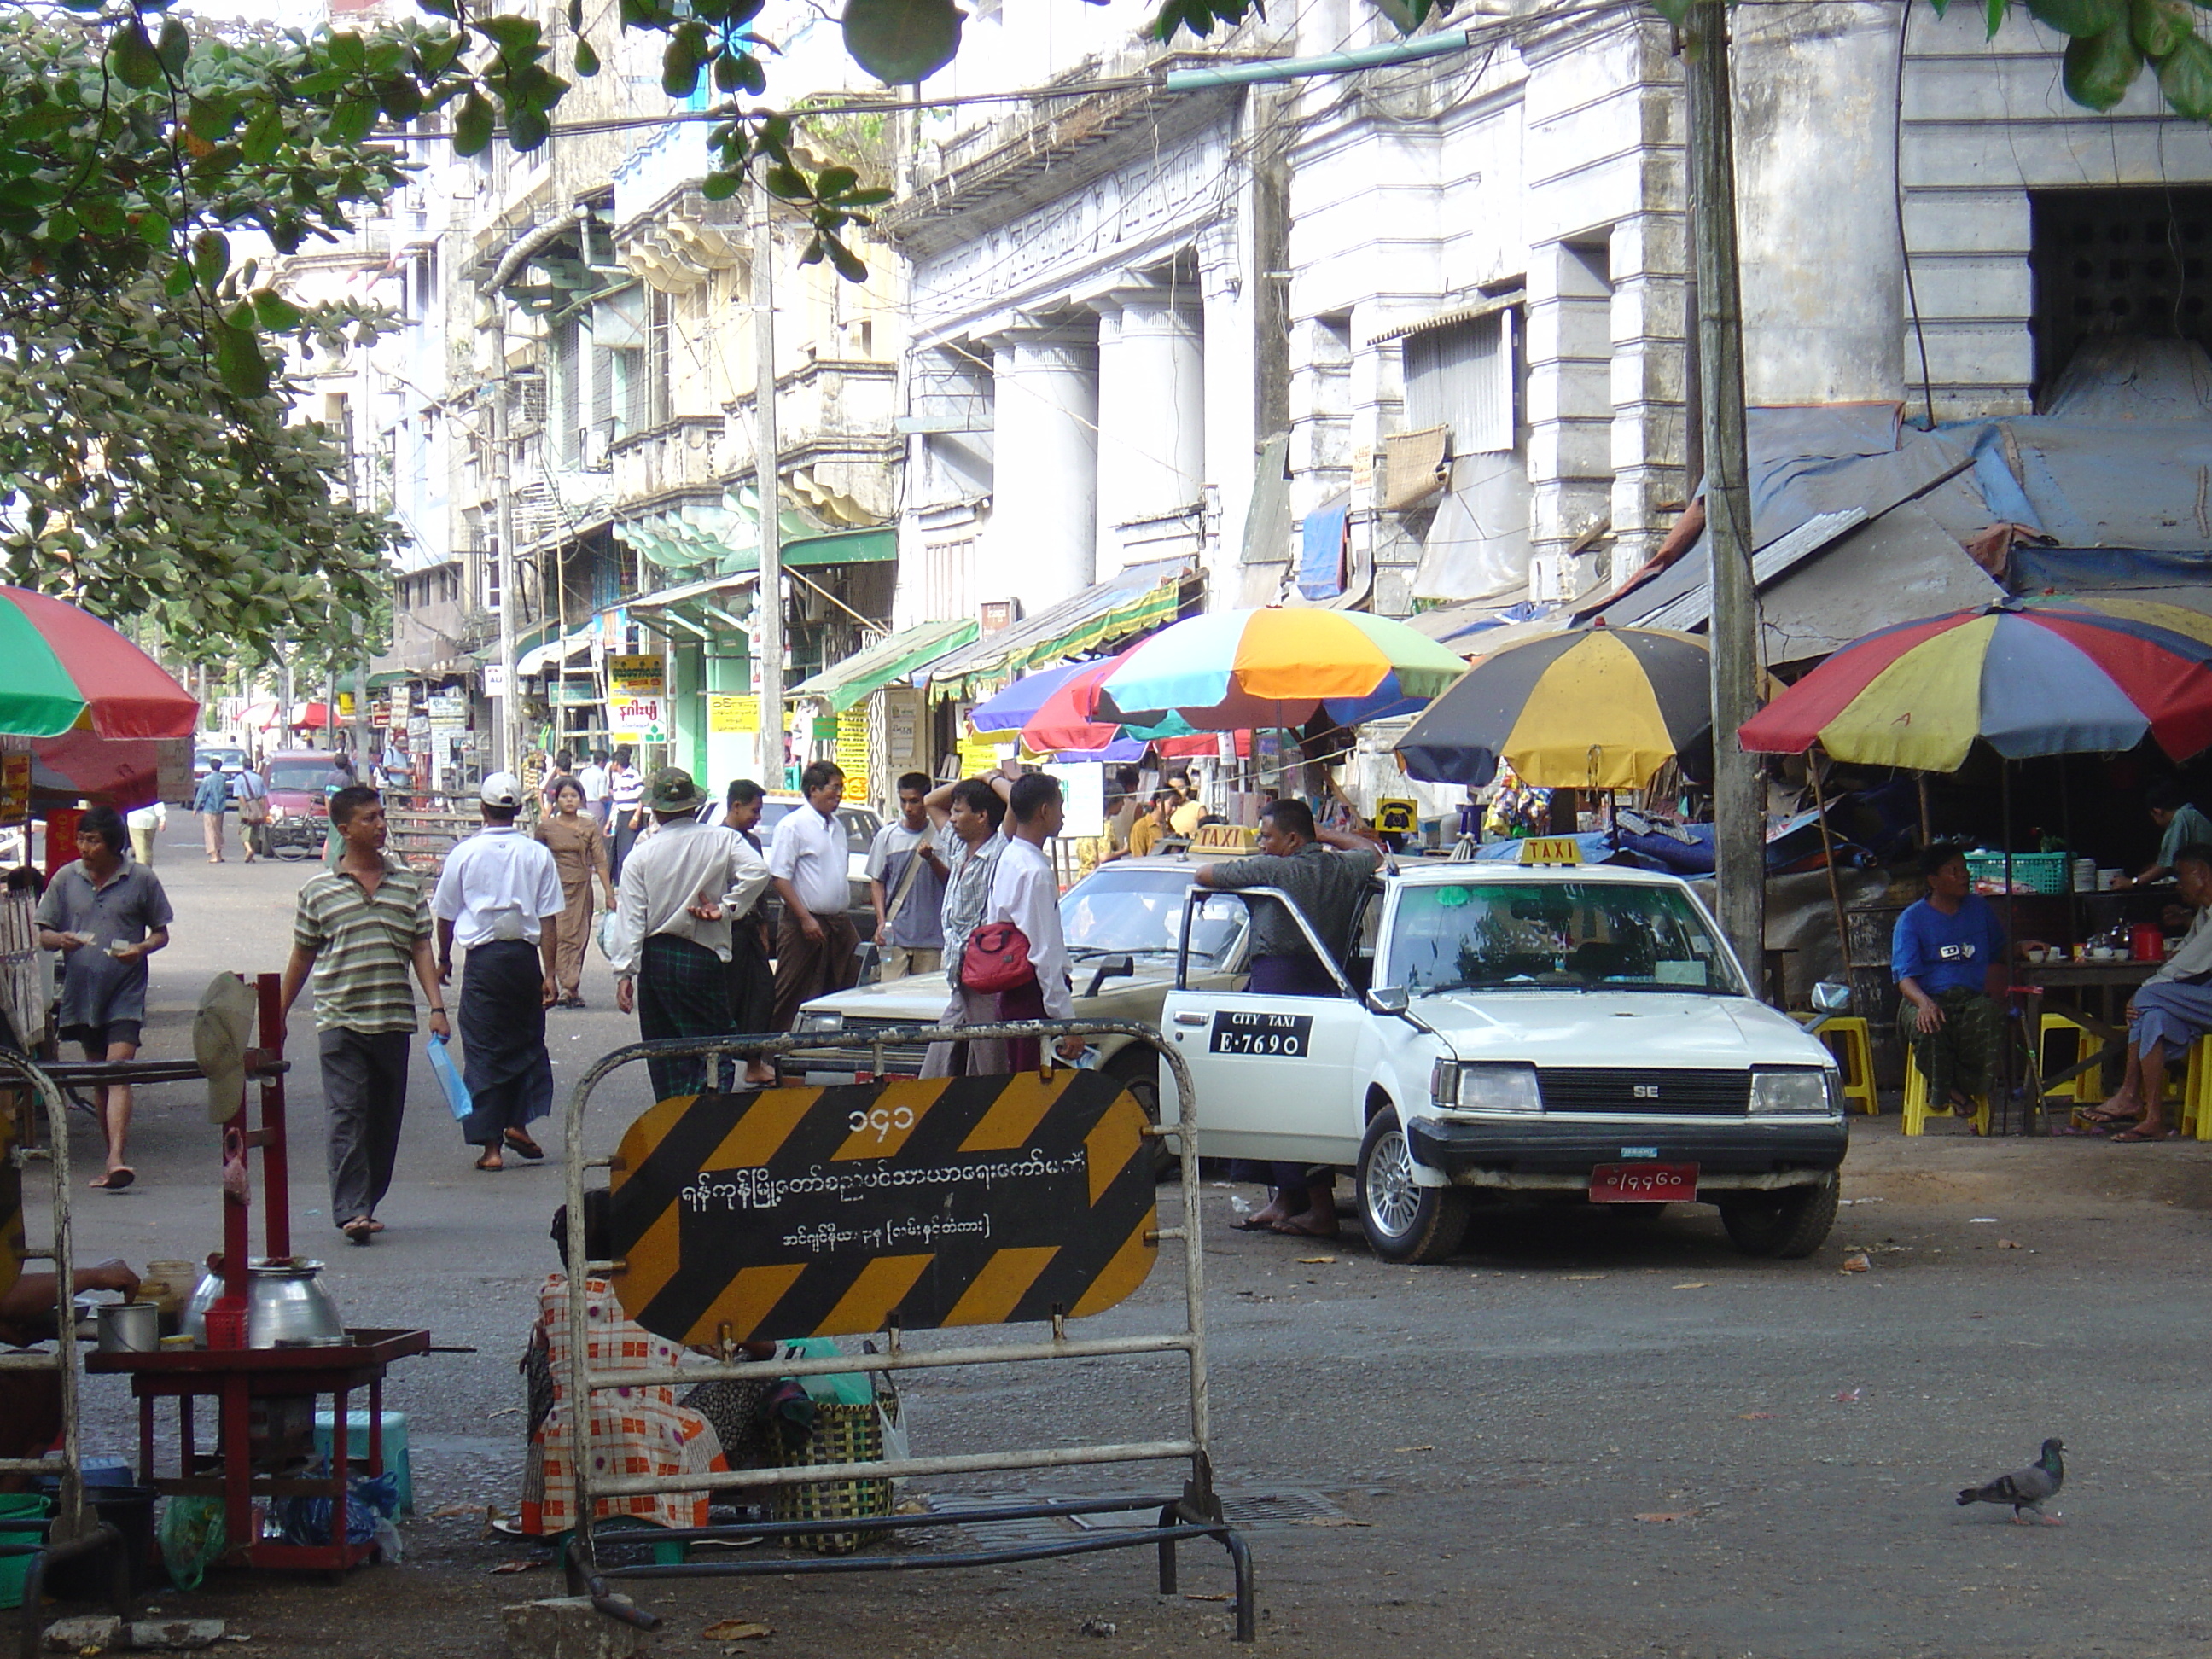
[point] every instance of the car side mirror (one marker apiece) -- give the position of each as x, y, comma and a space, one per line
871, 963
1112, 968
1830, 998
1389, 1000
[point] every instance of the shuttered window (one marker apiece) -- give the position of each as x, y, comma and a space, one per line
1461, 376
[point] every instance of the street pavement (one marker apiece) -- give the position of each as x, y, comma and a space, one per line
1588, 1435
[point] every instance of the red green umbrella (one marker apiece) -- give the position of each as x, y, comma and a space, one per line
63, 669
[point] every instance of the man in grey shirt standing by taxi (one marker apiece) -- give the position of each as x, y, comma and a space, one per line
1322, 872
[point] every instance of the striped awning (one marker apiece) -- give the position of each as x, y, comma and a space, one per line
845, 684
1134, 600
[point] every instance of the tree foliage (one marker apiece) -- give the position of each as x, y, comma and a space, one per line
146, 466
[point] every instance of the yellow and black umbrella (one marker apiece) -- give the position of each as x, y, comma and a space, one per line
1595, 709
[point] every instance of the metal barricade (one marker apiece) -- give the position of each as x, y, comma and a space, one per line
72, 1532
1195, 1512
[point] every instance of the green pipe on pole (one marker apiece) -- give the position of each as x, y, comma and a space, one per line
1335, 62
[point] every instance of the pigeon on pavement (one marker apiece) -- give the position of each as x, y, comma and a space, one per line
2026, 1489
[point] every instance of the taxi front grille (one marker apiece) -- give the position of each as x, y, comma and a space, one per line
847, 1050
1649, 1093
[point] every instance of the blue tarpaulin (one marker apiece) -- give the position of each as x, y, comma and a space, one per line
1320, 548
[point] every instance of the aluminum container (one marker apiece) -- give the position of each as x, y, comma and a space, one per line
131, 1327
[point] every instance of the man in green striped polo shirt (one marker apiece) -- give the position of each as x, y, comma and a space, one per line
359, 928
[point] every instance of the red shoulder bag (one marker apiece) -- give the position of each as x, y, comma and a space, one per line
996, 960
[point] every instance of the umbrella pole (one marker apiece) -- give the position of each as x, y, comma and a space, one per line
1828, 847
1927, 829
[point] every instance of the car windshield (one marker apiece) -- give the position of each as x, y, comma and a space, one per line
1138, 913
1519, 935
304, 775
860, 827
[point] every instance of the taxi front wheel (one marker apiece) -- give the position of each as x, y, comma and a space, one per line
1405, 1222
1790, 1222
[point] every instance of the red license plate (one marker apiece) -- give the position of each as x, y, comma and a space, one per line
1643, 1183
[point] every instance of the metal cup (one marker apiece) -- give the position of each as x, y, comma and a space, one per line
131, 1327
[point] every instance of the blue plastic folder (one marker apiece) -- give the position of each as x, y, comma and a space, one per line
450, 1080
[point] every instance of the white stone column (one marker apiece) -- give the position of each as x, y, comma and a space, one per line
1042, 545
1151, 414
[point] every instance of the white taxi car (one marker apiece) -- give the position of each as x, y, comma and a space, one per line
1527, 1028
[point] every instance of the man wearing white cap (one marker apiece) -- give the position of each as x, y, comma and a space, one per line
500, 899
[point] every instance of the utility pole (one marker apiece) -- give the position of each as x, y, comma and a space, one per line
284, 690
768, 597
1739, 806
505, 756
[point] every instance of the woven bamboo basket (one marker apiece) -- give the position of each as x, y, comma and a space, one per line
841, 1434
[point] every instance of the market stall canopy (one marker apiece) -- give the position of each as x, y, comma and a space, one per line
306, 716
852, 680
1136, 598
1068, 721
1015, 705
552, 656
124, 773
1278, 667
66, 669
2030, 676
699, 609
1598, 708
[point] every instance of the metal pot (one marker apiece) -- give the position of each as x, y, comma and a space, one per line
286, 1306
131, 1327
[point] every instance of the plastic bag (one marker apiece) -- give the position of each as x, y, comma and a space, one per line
606, 932
372, 1500
450, 1080
191, 1534
836, 1388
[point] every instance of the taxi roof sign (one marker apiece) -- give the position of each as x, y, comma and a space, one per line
1550, 849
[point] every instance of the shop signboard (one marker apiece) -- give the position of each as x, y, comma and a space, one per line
15, 789
635, 718
645, 676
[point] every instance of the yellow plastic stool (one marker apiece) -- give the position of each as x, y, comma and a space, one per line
2196, 1092
2086, 1089
1918, 1111
1847, 1039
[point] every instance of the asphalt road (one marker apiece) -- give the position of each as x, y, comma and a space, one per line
1588, 1435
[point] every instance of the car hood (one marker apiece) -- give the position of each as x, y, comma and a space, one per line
1632, 1028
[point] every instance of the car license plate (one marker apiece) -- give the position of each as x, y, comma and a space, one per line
1643, 1183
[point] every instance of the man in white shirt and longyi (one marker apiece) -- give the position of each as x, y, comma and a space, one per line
817, 945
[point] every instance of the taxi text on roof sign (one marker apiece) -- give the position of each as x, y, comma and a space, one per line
913, 1202
1550, 849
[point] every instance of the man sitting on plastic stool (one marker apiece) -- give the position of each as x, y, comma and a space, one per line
1948, 955
2169, 1010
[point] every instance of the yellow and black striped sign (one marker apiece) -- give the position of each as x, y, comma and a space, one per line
913, 1202
11, 1205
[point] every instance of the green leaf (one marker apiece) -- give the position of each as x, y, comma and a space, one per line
210, 118
834, 182
177, 282
60, 226
846, 262
721, 186
516, 37
265, 136
525, 127
211, 256
2079, 18
901, 41
2158, 27
348, 51
682, 58
239, 361
275, 312
472, 125
788, 182
726, 73
2099, 67
752, 79
1942, 6
2185, 76
155, 230
1996, 10
174, 46
587, 61
132, 57
400, 98
1405, 15
351, 122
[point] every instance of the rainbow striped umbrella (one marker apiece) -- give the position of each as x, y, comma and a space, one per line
2051, 676
63, 669
1232, 669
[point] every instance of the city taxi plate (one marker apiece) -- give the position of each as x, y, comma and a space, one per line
1643, 1183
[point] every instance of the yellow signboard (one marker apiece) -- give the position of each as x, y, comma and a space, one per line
732, 712
15, 789
638, 676
1550, 849
853, 743
1397, 818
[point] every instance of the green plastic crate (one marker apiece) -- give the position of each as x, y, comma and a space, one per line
2037, 873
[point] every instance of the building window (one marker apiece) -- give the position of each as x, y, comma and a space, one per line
2117, 264
1460, 375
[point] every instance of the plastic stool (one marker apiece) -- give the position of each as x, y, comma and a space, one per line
396, 1459
1918, 1111
2087, 1088
2197, 1090
1847, 1038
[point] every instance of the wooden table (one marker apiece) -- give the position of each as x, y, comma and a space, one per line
2038, 979
235, 1378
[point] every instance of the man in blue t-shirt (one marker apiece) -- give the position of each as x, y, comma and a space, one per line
1948, 957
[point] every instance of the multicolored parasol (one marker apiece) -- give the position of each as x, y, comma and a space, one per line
1277, 668
66, 669
1596, 709
2050, 676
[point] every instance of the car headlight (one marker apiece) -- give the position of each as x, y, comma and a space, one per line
1801, 1091
819, 1020
1481, 1087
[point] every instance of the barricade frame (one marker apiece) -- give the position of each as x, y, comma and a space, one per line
1195, 1512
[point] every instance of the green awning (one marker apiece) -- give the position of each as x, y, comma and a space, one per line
392, 677
842, 684
1130, 601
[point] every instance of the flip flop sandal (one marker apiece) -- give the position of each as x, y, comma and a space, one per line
486, 1165
359, 1230
115, 1180
523, 1144
1249, 1226
1294, 1228
2136, 1137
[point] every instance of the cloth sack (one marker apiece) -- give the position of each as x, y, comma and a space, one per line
996, 960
